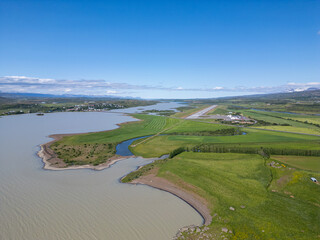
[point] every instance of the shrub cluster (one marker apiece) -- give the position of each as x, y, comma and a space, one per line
176, 152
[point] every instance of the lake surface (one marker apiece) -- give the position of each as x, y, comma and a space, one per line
38, 204
159, 106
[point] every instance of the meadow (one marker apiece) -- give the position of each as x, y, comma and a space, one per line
301, 162
254, 138
295, 123
268, 203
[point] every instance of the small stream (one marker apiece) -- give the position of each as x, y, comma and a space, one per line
122, 148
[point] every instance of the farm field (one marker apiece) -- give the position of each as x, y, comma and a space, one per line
284, 116
293, 129
265, 206
302, 162
194, 126
285, 121
161, 145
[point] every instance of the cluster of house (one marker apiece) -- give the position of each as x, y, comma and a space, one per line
239, 119
13, 112
94, 107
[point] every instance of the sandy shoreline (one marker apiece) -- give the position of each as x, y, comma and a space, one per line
195, 201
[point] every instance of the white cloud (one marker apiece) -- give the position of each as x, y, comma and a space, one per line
102, 87
217, 88
112, 92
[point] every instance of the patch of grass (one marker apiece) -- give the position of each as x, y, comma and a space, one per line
302, 162
142, 171
293, 129
96, 148
195, 126
235, 180
296, 123
161, 145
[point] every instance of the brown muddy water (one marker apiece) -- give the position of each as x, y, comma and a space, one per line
38, 204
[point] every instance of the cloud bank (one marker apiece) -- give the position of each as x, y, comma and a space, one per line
23, 84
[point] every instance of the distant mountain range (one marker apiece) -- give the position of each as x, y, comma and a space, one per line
299, 94
39, 95
309, 94
302, 89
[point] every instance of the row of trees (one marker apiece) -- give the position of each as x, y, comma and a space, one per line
252, 150
264, 152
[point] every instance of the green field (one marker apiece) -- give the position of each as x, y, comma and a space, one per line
302, 162
160, 145
291, 211
305, 130
96, 148
278, 121
194, 126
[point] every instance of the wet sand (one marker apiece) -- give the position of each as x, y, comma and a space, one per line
194, 200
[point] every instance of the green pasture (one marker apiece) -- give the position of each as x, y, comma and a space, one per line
272, 117
302, 162
195, 126
235, 180
305, 130
160, 145
296, 123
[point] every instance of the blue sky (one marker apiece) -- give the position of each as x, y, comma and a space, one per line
159, 49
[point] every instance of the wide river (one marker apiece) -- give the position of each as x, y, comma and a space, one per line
38, 204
